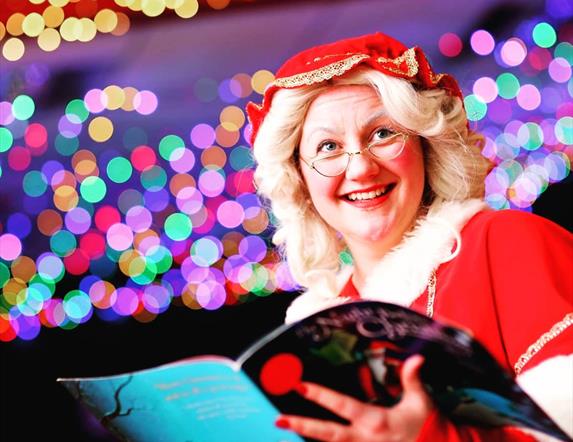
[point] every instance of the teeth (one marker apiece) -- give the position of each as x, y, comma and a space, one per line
366, 195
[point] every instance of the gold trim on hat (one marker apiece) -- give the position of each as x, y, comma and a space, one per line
408, 56
321, 74
340, 67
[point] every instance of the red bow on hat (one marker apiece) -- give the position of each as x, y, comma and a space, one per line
321, 63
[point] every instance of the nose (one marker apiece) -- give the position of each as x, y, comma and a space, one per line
361, 165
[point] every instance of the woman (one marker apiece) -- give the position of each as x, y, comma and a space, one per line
363, 150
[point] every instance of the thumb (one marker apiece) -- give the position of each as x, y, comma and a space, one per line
410, 376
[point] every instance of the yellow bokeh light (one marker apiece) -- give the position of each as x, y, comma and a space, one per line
59, 3
232, 118
66, 198
129, 94
132, 263
11, 289
115, 97
122, 24
70, 29
135, 5
261, 79
86, 168
105, 20
13, 49
100, 129
152, 8
33, 24
2, 30
173, 4
36, 2
88, 30
188, 9
14, 24
124, 3
53, 16
218, 4
49, 40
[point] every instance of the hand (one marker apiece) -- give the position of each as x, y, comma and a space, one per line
368, 423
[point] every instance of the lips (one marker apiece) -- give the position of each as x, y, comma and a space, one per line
369, 194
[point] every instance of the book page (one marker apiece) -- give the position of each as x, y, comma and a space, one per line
203, 401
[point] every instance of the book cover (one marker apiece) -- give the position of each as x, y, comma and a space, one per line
356, 348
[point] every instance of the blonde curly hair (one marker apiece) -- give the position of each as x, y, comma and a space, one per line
455, 168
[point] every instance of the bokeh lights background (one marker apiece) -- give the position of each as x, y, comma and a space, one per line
115, 203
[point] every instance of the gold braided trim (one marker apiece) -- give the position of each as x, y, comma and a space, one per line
321, 74
540, 343
431, 294
408, 56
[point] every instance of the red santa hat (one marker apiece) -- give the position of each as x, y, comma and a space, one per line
322, 63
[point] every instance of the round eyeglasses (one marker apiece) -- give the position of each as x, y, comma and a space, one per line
334, 165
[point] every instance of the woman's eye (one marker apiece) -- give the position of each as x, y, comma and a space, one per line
382, 134
327, 147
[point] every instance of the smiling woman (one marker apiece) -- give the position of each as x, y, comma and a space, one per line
364, 151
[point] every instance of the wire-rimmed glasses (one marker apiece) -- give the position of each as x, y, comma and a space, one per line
334, 165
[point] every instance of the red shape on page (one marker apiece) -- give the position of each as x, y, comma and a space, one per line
281, 374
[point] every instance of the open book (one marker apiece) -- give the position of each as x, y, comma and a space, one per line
356, 348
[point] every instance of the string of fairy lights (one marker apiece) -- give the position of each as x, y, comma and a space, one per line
48, 23
153, 220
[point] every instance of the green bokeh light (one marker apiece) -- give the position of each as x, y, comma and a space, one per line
178, 226
161, 257
77, 305
544, 35
133, 137
564, 50
66, 146
34, 183
153, 178
206, 89
78, 107
564, 130
93, 189
241, 158
168, 144
48, 283
4, 274
23, 107
6, 139
530, 136
119, 170
148, 275
63, 243
476, 109
507, 85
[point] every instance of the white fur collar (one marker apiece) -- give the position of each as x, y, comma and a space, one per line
402, 275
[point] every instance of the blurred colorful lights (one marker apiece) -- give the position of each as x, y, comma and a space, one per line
177, 219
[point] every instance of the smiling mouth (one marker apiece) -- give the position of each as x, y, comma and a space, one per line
364, 196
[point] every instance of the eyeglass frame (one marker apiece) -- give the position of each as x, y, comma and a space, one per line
310, 163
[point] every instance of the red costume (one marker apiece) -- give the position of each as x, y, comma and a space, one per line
510, 285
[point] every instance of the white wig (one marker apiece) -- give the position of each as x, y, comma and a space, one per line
454, 166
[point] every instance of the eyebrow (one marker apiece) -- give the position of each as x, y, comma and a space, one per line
376, 116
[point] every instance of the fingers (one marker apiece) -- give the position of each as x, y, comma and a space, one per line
315, 428
413, 387
340, 404
411, 373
